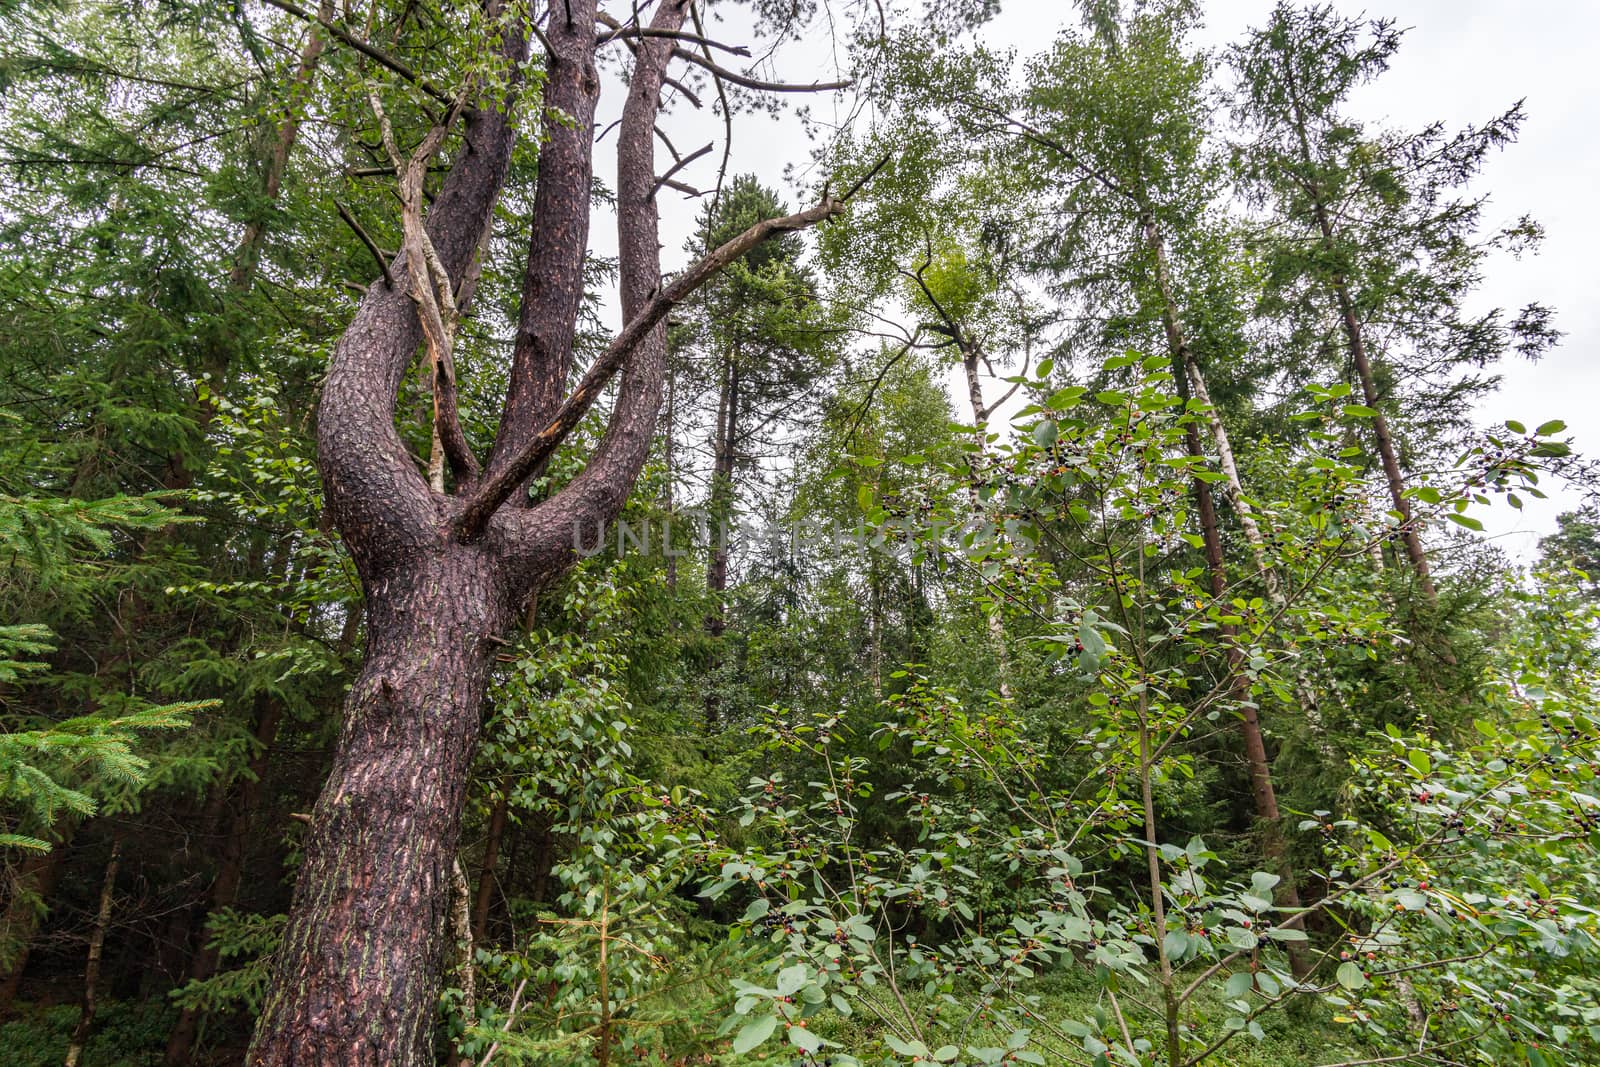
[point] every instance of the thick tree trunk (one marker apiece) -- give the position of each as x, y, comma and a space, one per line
360, 966
357, 975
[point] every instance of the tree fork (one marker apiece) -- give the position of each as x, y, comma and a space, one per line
357, 975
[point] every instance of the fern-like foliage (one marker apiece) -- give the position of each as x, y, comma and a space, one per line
54, 770
25, 640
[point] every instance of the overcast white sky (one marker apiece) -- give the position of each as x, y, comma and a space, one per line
1462, 61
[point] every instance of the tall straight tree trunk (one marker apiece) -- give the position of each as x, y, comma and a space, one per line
97, 944
724, 453
1410, 535
247, 257
1270, 578
1355, 338
875, 625
993, 621
1235, 486
180, 471
670, 433
274, 164
487, 874
721, 506
1263, 794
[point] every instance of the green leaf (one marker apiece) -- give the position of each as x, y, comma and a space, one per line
1242, 939
1360, 411
1547, 428
906, 1048
1176, 943
1465, 520
1062, 399
754, 1033
1349, 975
1262, 883
1045, 433
804, 1039
791, 978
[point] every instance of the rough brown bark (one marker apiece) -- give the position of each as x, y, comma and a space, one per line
357, 976
358, 972
552, 286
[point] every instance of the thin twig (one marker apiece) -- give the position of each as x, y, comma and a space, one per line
366, 239
676, 167
757, 83
676, 35
511, 1015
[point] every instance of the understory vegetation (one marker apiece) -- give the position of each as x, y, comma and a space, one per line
1014, 595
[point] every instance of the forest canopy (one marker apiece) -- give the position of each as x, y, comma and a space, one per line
1014, 592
